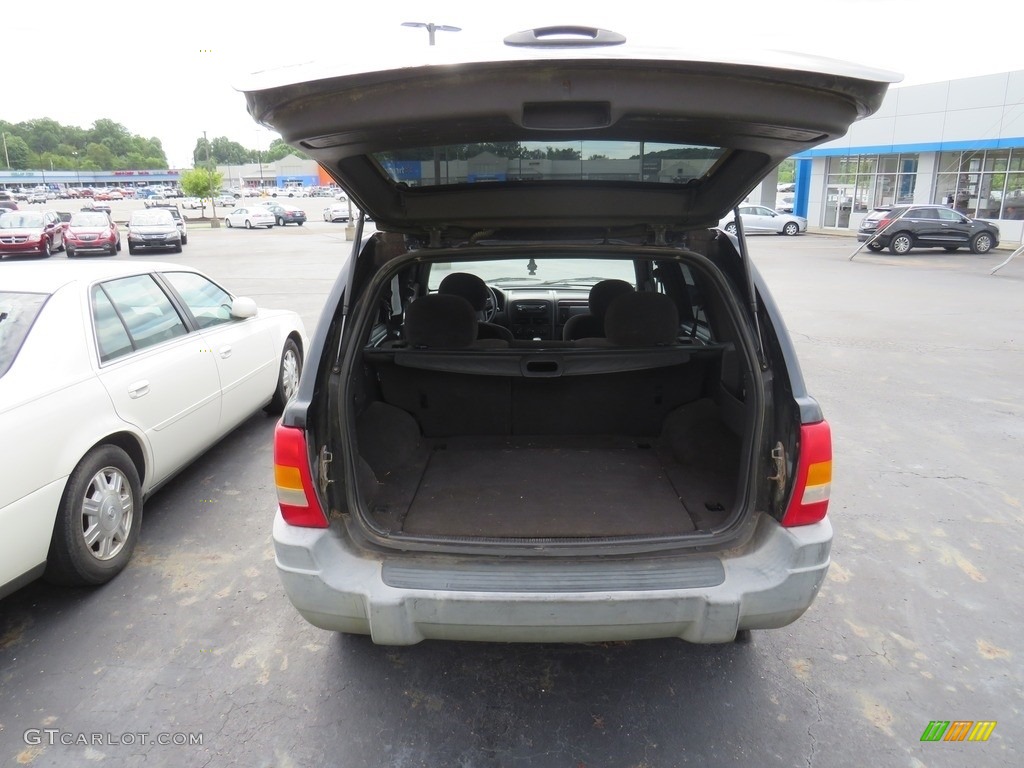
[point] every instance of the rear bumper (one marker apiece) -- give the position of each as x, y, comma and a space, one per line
403, 598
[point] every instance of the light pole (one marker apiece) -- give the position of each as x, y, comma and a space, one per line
431, 27
78, 175
6, 158
213, 198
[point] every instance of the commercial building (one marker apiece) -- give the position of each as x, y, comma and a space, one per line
958, 143
288, 170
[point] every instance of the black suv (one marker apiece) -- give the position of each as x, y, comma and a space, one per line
903, 227
548, 399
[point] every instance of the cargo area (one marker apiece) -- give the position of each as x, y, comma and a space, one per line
446, 453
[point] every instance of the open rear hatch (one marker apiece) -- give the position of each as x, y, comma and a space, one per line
537, 145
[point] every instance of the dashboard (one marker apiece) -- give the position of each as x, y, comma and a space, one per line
536, 313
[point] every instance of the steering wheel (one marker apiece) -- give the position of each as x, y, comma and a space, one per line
491, 307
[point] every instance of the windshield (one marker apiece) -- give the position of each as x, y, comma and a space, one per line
90, 220
17, 313
19, 220
148, 218
550, 161
539, 272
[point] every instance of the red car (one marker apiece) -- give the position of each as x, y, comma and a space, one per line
38, 232
91, 232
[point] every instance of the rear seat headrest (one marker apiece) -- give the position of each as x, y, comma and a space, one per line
440, 320
602, 294
642, 319
467, 285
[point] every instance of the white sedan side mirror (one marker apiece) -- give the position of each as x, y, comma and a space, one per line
243, 307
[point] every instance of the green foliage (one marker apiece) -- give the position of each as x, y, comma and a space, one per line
18, 153
45, 143
787, 171
224, 151
201, 182
278, 149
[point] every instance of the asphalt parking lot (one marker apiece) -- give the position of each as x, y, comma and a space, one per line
918, 363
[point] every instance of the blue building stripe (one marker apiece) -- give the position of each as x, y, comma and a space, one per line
969, 145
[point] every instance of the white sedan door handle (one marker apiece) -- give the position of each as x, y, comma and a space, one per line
224, 352
138, 389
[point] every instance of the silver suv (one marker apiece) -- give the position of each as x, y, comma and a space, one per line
179, 220
548, 399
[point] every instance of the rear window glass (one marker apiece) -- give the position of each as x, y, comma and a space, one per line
538, 272
550, 161
18, 311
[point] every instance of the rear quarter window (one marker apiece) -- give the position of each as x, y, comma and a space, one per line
18, 311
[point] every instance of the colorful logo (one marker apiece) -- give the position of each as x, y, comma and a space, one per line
958, 730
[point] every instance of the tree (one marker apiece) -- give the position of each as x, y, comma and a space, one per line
113, 136
18, 153
787, 171
202, 183
227, 152
279, 149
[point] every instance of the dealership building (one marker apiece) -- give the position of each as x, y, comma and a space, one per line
958, 143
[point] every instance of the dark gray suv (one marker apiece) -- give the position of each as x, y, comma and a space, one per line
904, 227
548, 399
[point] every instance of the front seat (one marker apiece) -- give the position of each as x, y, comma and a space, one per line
591, 326
475, 291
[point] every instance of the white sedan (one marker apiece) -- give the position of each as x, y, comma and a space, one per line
249, 216
114, 377
759, 219
337, 211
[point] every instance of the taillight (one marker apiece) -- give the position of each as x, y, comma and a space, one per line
809, 501
883, 223
295, 491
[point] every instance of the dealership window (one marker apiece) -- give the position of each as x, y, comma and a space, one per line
856, 184
987, 184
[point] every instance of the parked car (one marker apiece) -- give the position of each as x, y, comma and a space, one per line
101, 384
289, 192
91, 232
30, 232
96, 204
337, 211
286, 214
37, 196
179, 220
193, 203
785, 203
456, 465
760, 219
249, 216
8, 205
904, 227
153, 228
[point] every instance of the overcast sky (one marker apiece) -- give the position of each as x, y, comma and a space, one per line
169, 69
